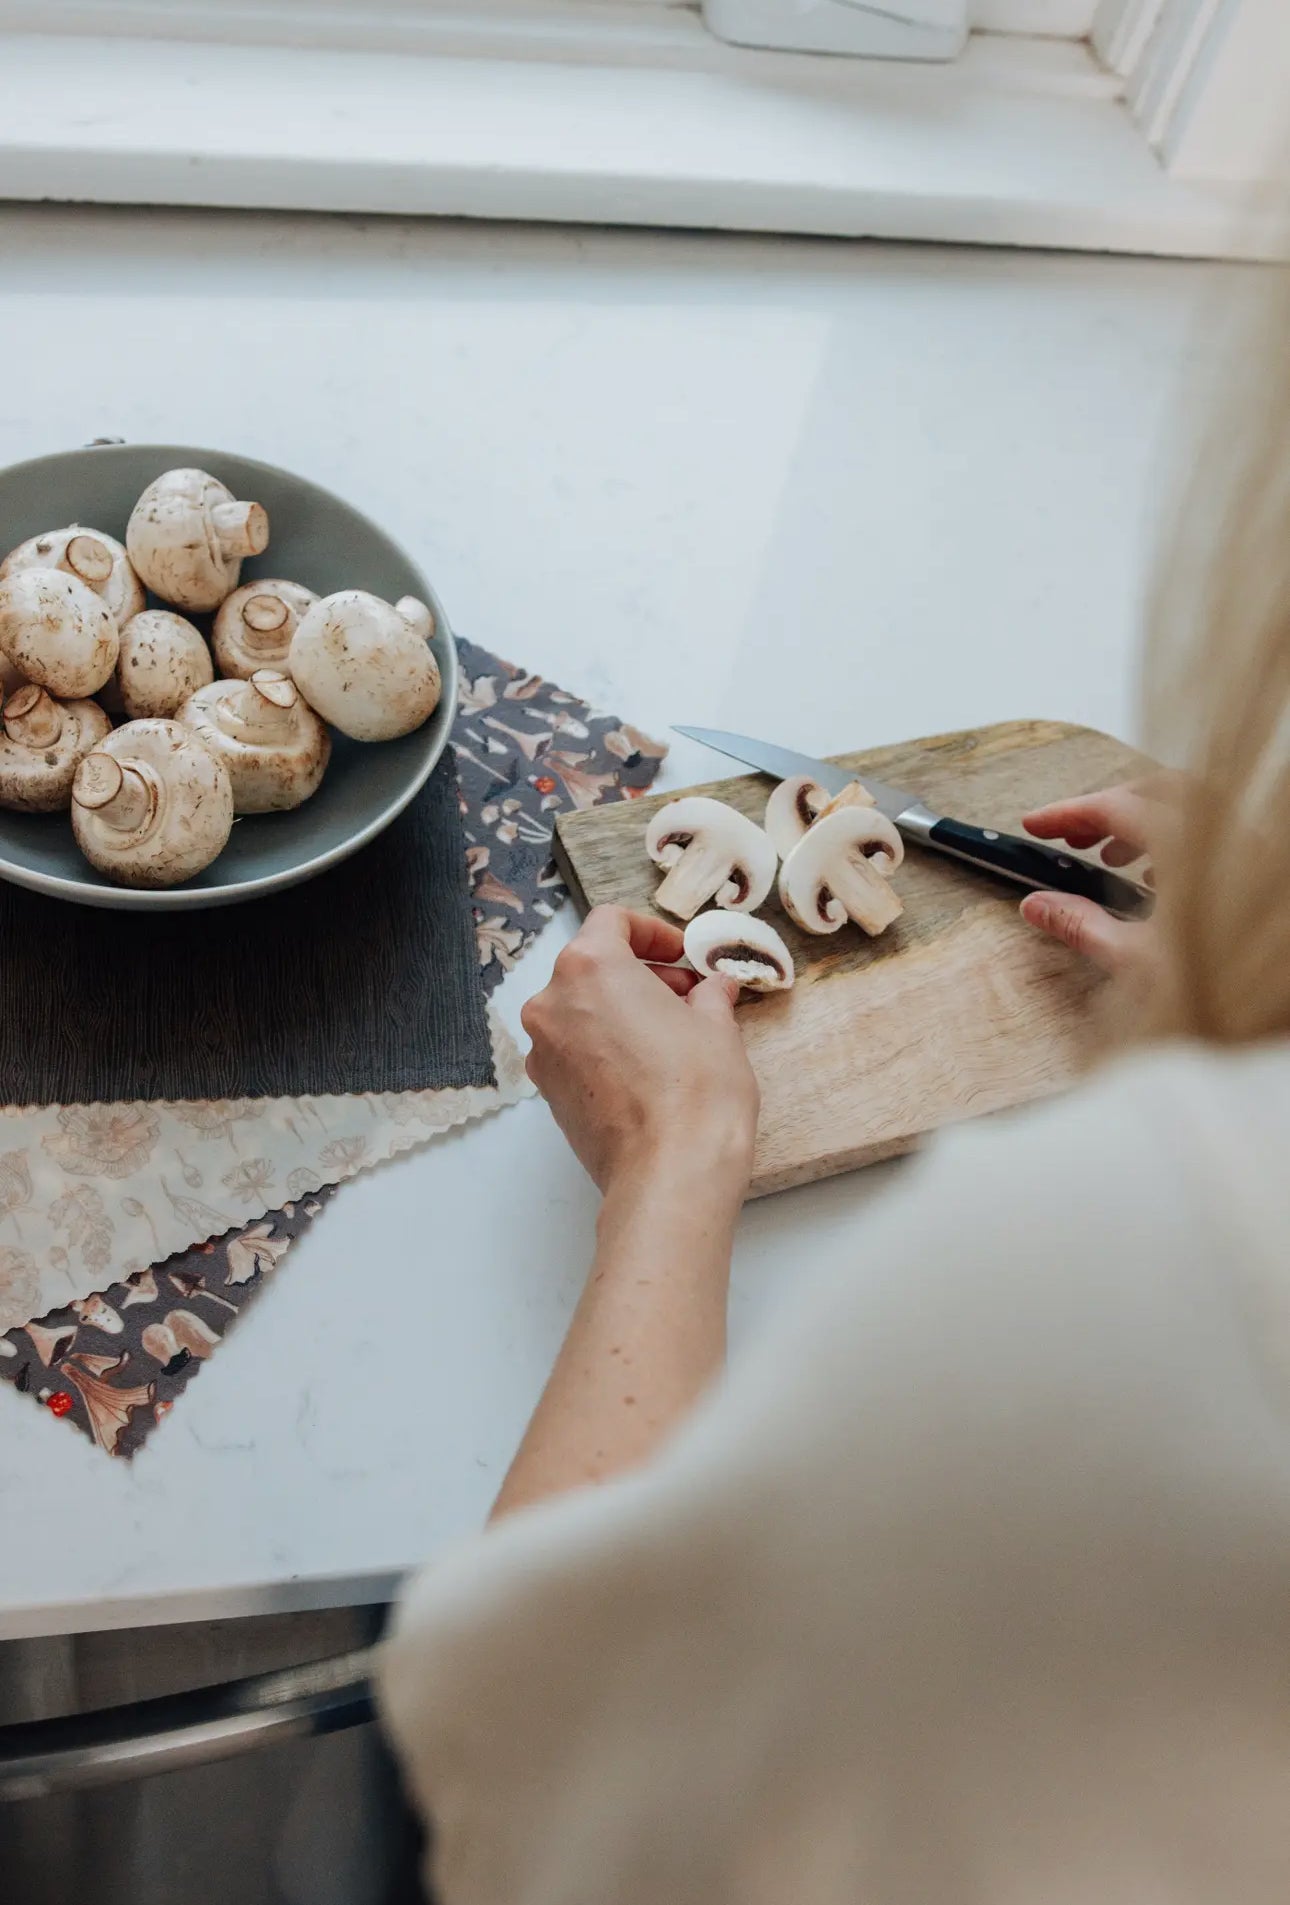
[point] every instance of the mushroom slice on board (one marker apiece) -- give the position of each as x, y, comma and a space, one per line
254, 625
152, 805
43, 744
367, 666
95, 559
798, 802
711, 852
187, 536
840, 869
739, 946
273, 744
56, 632
163, 659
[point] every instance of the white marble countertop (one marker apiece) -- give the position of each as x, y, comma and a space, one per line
835, 494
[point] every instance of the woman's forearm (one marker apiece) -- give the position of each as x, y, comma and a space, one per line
649, 1332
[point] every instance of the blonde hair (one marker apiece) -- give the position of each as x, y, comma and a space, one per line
1217, 673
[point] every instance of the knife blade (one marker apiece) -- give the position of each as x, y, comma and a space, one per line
1026, 863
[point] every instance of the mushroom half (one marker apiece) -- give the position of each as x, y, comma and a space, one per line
798, 802
273, 744
43, 744
151, 805
95, 559
739, 946
187, 536
56, 632
163, 659
840, 869
254, 626
365, 666
710, 852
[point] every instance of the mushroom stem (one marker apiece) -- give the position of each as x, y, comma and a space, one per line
261, 710
125, 796
416, 615
242, 529
32, 718
869, 899
263, 619
700, 871
90, 559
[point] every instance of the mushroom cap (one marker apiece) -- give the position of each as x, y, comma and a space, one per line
273, 744
151, 804
798, 802
839, 870
739, 946
711, 852
163, 659
365, 665
94, 557
187, 536
254, 626
41, 746
56, 632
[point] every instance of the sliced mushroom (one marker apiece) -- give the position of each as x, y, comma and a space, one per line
187, 536
43, 744
798, 802
742, 947
273, 744
95, 559
56, 632
151, 805
366, 667
711, 852
163, 659
254, 627
840, 869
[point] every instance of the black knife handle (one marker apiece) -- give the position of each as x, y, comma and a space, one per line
1033, 865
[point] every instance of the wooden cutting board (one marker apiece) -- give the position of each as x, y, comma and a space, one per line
958, 1010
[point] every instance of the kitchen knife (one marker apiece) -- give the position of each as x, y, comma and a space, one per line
1026, 862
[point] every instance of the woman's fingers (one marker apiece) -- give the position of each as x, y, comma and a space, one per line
715, 996
1122, 815
1115, 945
679, 979
654, 940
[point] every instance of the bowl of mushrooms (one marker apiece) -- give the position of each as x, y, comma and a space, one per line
218, 678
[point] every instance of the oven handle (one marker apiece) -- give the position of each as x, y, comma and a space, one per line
80, 1750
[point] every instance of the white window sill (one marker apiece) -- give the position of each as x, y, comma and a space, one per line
1021, 142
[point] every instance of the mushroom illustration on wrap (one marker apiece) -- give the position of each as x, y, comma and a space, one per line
57, 632
151, 805
162, 660
367, 666
798, 802
254, 626
710, 852
94, 558
43, 743
272, 743
841, 869
187, 536
739, 946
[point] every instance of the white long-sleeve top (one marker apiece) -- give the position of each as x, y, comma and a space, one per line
970, 1586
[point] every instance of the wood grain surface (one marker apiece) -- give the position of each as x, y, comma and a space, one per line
958, 1010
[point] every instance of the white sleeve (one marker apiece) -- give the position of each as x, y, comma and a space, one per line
973, 1584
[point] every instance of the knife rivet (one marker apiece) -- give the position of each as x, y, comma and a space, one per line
1062, 861
988, 833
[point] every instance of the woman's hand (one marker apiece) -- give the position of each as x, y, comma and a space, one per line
1124, 821
639, 1064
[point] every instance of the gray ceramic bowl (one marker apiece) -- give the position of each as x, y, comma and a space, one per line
316, 539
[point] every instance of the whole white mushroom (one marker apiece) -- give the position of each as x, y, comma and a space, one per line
187, 536
365, 666
56, 632
151, 805
254, 626
163, 660
273, 744
94, 558
41, 746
